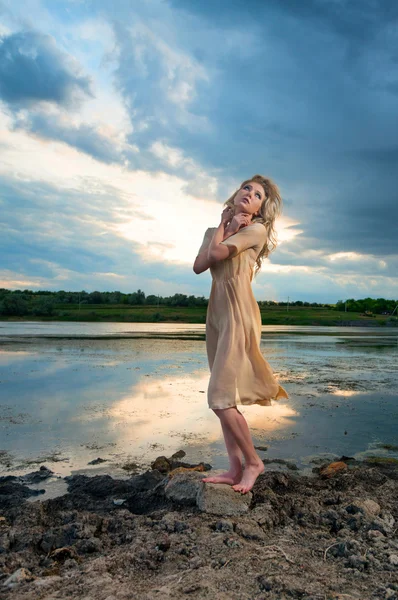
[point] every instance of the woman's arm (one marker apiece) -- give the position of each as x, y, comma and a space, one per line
218, 251
201, 263
203, 260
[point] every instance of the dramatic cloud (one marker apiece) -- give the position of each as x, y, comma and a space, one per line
125, 130
33, 69
102, 143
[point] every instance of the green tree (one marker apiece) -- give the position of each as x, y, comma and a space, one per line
14, 304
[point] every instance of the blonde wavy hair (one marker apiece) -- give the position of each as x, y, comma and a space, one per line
270, 209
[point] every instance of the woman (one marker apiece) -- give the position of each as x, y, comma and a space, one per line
239, 372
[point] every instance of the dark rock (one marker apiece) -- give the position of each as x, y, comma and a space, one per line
338, 550
264, 583
102, 486
99, 486
357, 562
164, 544
141, 503
37, 476
130, 466
332, 500
385, 524
179, 454
63, 554
176, 464
183, 488
97, 461
89, 546
146, 481
355, 522
224, 525
13, 493
161, 464
347, 459
165, 465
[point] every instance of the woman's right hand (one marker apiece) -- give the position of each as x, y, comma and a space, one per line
240, 220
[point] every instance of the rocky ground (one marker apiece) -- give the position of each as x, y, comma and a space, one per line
165, 534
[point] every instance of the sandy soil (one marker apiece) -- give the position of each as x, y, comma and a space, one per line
166, 534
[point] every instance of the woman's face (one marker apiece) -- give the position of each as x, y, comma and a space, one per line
249, 198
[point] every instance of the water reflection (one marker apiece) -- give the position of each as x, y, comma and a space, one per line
67, 402
346, 393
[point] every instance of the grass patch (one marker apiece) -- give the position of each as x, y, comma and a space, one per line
381, 460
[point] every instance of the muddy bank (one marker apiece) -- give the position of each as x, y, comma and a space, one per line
166, 534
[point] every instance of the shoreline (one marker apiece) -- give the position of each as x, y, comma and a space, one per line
282, 321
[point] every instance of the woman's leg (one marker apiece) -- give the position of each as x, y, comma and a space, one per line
234, 475
237, 432
254, 466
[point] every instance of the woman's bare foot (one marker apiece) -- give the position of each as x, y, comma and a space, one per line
250, 475
230, 477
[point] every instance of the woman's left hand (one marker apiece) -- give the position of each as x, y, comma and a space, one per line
227, 215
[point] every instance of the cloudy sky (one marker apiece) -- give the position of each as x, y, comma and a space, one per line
125, 125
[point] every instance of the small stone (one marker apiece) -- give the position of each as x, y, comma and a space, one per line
250, 531
374, 534
164, 544
367, 507
264, 515
70, 563
393, 558
61, 554
384, 524
355, 522
89, 546
232, 542
178, 454
332, 469
161, 464
119, 501
332, 500
37, 476
17, 577
224, 525
195, 562
357, 562
264, 583
97, 461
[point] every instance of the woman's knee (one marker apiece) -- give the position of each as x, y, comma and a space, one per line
224, 412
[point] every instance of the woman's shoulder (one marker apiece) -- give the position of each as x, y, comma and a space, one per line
253, 227
257, 224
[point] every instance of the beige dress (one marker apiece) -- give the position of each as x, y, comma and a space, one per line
239, 372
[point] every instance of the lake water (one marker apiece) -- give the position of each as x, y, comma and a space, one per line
72, 392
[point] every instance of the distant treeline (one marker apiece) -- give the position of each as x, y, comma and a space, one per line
46, 303
380, 306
